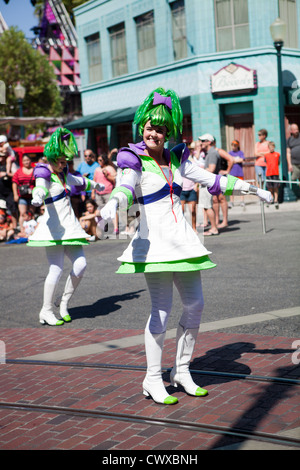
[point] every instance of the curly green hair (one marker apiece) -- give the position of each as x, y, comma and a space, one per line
161, 114
62, 143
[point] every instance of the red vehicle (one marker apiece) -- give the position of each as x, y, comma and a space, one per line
34, 152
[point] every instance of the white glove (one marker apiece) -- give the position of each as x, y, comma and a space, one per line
37, 201
99, 187
38, 197
264, 195
110, 209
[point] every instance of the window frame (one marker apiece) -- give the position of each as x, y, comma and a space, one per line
95, 68
118, 61
285, 14
231, 27
183, 39
140, 22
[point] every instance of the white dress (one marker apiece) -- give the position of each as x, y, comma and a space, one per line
164, 240
59, 225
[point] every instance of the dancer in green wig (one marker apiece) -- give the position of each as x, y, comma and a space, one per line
165, 248
59, 230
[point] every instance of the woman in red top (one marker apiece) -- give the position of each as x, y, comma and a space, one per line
22, 185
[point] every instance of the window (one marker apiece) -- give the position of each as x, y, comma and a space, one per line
232, 24
94, 57
146, 40
118, 49
179, 29
288, 13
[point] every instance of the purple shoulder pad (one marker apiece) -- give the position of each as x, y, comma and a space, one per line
182, 152
127, 158
215, 189
41, 170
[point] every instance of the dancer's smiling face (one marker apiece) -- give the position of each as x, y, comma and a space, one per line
154, 136
60, 164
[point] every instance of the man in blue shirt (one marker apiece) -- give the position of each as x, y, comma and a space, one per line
88, 167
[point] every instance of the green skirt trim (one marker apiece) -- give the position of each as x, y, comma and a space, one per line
75, 241
192, 264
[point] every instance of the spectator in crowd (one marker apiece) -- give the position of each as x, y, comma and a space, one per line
199, 159
189, 195
112, 156
220, 200
237, 168
87, 168
6, 226
23, 183
6, 192
7, 152
272, 173
212, 164
88, 220
211, 203
29, 225
293, 152
77, 194
105, 174
260, 149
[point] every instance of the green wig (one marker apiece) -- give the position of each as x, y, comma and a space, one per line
162, 108
62, 143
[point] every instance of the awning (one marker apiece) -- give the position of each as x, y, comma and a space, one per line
103, 119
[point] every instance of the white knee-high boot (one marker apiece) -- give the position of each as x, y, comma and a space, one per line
153, 384
180, 374
46, 314
70, 287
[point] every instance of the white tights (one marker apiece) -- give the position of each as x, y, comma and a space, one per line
55, 256
160, 286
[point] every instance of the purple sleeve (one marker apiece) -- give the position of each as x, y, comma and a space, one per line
41, 170
127, 158
215, 189
182, 152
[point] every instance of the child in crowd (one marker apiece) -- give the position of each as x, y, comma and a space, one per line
29, 225
6, 226
88, 220
272, 160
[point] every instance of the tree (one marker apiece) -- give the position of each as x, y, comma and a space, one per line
19, 62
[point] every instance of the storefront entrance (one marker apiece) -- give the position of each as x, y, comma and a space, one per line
237, 123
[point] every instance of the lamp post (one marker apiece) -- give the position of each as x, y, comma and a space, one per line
278, 31
20, 91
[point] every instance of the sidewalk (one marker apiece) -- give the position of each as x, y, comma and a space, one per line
232, 403
253, 206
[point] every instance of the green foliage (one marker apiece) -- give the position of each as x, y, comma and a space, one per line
19, 62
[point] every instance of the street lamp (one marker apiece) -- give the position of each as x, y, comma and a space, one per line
20, 91
278, 31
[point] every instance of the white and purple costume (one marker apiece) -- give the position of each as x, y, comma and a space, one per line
59, 225
164, 240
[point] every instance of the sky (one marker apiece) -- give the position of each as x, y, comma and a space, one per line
19, 13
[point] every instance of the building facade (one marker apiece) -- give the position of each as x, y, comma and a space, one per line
218, 55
